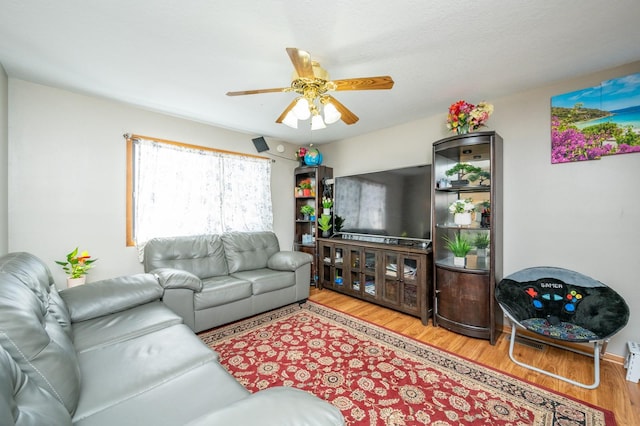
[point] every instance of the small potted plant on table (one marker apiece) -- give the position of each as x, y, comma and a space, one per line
77, 267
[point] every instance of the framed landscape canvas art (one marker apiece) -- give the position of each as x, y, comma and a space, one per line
597, 121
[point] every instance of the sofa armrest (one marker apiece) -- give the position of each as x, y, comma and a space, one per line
177, 278
280, 406
288, 260
111, 295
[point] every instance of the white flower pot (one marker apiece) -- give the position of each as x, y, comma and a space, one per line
462, 219
73, 282
326, 212
482, 252
459, 261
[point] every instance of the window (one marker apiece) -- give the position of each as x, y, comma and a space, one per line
178, 189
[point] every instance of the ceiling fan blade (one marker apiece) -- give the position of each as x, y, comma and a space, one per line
345, 113
286, 111
365, 83
301, 62
254, 92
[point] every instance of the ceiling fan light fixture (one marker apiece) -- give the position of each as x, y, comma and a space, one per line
331, 114
317, 123
301, 110
290, 120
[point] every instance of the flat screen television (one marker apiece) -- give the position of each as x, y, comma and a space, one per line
391, 203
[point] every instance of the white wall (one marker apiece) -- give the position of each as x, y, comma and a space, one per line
67, 174
582, 216
4, 146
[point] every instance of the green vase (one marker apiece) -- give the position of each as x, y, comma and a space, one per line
462, 129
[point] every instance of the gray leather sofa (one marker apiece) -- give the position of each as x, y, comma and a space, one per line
210, 280
110, 353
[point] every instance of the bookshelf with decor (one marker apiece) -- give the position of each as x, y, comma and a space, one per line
309, 190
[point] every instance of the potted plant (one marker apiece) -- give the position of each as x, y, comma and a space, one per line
77, 267
464, 170
462, 210
481, 241
459, 246
485, 220
337, 223
305, 185
327, 203
307, 210
324, 224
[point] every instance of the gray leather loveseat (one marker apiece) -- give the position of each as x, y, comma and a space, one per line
210, 280
110, 353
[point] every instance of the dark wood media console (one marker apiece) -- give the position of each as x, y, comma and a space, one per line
397, 276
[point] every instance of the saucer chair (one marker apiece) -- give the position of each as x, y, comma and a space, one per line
562, 305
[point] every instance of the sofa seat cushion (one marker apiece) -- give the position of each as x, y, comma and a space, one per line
104, 331
218, 291
267, 280
118, 372
195, 393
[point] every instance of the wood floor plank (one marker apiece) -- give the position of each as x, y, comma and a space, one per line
615, 393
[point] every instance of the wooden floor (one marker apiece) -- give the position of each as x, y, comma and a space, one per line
615, 393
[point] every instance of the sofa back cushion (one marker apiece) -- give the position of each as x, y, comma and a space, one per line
202, 255
34, 274
22, 402
249, 250
30, 330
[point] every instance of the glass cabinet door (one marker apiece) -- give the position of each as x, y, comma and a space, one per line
410, 283
338, 261
355, 273
369, 273
325, 271
392, 276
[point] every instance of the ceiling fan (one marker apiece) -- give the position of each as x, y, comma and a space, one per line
312, 83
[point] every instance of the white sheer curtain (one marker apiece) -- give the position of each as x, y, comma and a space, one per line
186, 191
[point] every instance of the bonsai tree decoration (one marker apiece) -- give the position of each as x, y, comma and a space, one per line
471, 172
459, 246
324, 224
76, 266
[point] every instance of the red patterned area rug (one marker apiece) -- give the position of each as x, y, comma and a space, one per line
379, 377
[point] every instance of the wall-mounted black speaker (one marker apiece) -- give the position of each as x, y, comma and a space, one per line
260, 144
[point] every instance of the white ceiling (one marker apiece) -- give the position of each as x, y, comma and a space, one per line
181, 57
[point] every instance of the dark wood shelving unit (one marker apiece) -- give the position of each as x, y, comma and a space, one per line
464, 296
307, 228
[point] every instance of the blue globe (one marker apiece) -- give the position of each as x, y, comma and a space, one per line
313, 157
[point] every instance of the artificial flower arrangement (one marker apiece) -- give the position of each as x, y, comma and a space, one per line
327, 202
77, 265
300, 153
465, 117
462, 206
